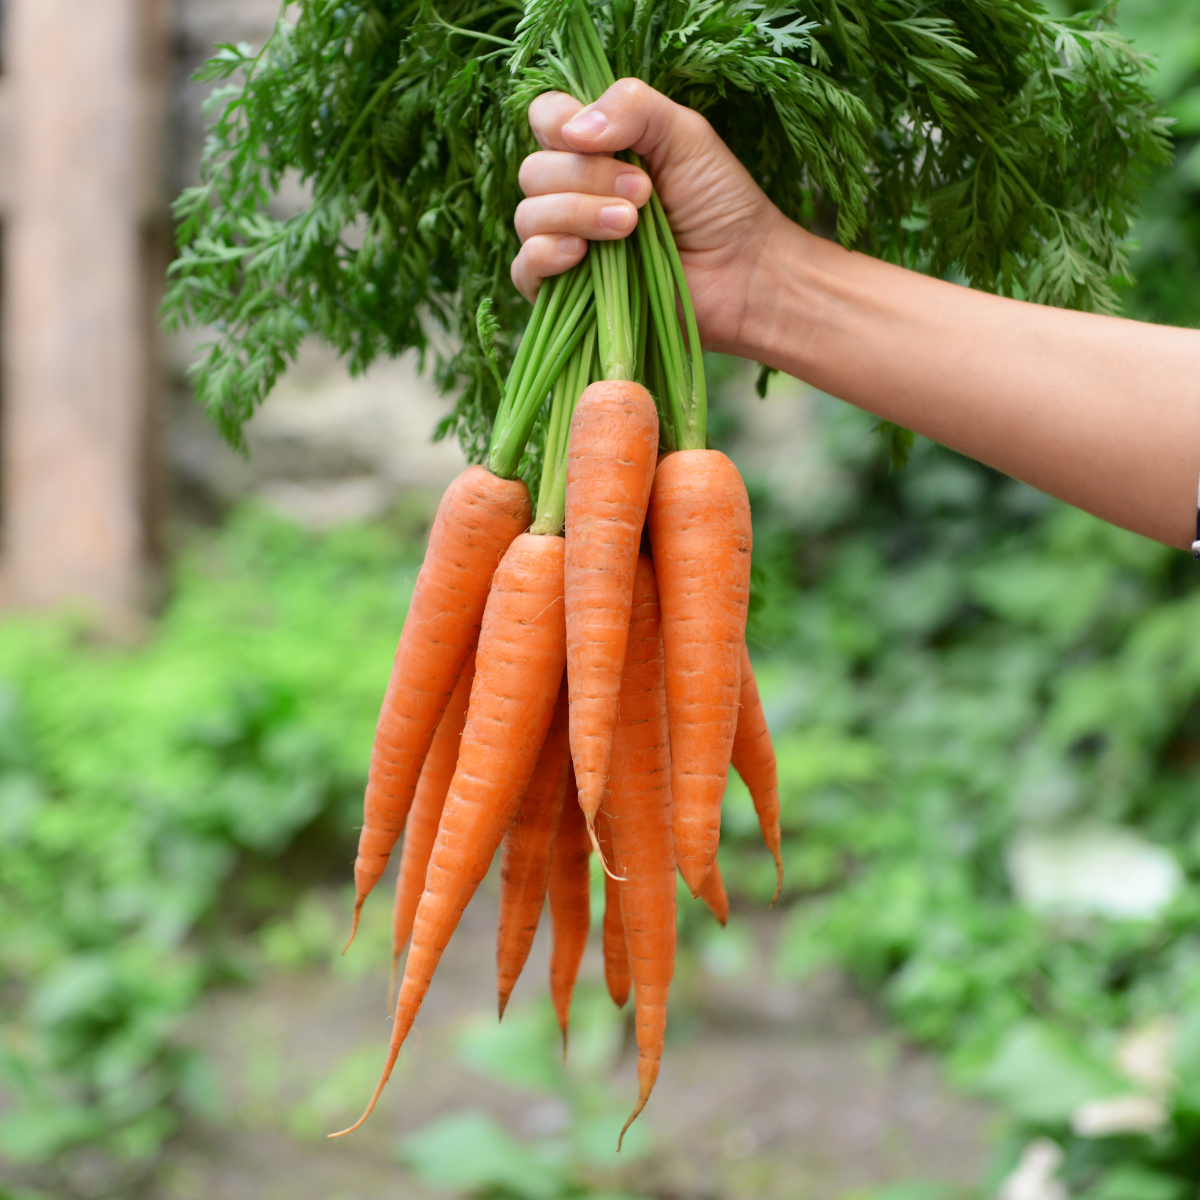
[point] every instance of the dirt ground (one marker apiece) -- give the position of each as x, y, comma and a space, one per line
768, 1089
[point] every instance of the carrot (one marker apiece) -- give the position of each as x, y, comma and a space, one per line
712, 892
478, 518
525, 859
638, 807
616, 956
754, 761
610, 470
519, 666
426, 811
700, 532
570, 905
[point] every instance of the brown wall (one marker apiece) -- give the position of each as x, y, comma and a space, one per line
82, 86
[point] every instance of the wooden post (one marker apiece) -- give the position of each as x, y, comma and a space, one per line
75, 337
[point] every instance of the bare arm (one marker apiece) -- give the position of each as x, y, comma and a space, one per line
1102, 412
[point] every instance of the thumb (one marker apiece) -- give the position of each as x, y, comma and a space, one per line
631, 115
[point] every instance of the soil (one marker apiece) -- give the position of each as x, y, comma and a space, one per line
768, 1089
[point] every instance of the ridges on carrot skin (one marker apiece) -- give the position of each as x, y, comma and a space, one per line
570, 906
477, 519
421, 830
712, 892
525, 856
616, 954
754, 760
699, 519
638, 806
519, 667
610, 470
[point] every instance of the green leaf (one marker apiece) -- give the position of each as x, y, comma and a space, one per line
1040, 1074
1131, 1181
471, 1151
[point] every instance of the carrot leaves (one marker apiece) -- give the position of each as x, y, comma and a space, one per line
361, 170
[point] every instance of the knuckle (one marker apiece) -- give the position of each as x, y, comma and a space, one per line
526, 173
522, 219
630, 91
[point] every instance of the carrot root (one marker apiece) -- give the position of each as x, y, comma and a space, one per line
478, 518
699, 520
518, 669
754, 760
525, 858
610, 470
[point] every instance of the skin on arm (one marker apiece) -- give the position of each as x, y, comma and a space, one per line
1099, 411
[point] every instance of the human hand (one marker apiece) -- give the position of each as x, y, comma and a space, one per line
575, 190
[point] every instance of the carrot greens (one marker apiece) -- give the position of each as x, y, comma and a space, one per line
984, 139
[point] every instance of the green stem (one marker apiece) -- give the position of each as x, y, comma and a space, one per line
576, 375
609, 260
697, 424
556, 339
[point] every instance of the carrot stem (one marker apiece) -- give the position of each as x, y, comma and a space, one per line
554, 337
576, 375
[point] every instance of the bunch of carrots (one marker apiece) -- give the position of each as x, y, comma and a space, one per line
575, 677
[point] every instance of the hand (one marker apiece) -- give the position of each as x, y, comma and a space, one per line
575, 190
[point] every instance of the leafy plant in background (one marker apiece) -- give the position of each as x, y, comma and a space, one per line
147, 802
572, 1155
1166, 263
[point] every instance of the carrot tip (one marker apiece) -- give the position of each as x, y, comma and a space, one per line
354, 927
633, 1116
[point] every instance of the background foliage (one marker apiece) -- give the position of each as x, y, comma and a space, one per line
949, 659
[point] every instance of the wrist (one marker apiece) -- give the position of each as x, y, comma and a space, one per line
782, 283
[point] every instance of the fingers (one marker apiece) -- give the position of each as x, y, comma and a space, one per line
630, 115
598, 218
548, 113
543, 255
551, 171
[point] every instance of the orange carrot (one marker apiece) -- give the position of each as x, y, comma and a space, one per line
616, 956
638, 807
712, 892
519, 666
700, 531
754, 761
570, 905
422, 825
610, 469
478, 518
525, 859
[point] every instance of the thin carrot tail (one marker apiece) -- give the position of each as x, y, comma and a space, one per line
503, 999
393, 1054
645, 1087
778, 875
591, 830
358, 903
565, 1039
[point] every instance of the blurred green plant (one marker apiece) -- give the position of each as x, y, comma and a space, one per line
574, 1153
156, 802
956, 660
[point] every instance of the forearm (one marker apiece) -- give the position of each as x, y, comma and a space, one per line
1099, 411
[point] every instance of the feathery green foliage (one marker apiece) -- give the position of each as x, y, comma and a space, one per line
979, 138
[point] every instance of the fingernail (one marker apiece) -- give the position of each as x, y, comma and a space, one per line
616, 217
590, 123
630, 186
569, 245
